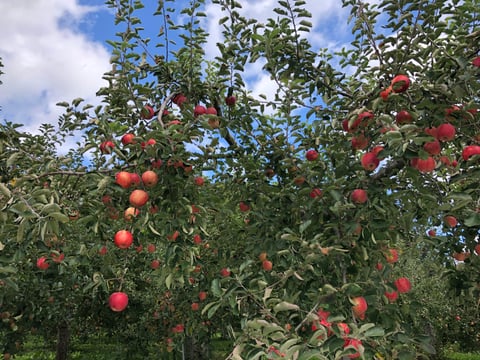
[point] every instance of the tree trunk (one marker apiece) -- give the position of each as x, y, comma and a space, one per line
63, 341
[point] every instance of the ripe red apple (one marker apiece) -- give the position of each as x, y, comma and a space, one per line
202, 295
450, 220
199, 110
359, 307
147, 112
432, 232
155, 264
267, 265
359, 196
130, 213
299, 180
42, 263
403, 285
138, 198
359, 142
103, 250
230, 100
400, 83
151, 248
446, 132
460, 256
432, 147
356, 344
106, 147
391, 296
211, 110
392, 256
57, 258
179, 99
225, 272
124, 179
150, 178
118, 301
123, 239
477, 249
312, 155
316, 193
424, 165
195, 306
370, 161
244, 207
197, 239
128, 139
199, 181
470, 151
174, 236
403, 117
476, 61
384, 94
157, 164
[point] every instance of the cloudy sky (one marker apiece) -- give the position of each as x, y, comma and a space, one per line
55, 50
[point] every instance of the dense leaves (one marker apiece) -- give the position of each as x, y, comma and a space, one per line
299, 239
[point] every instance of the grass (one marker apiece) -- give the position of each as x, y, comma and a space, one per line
450, 355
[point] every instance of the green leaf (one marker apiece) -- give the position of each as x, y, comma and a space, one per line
285, 306
375, 331
473, 220
59, 216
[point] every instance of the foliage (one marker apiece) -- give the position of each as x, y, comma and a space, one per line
327, 250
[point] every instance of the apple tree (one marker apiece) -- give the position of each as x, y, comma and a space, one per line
283, 223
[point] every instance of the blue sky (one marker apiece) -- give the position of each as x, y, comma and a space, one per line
55, 50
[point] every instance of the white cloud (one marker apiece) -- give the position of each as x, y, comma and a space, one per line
47, 59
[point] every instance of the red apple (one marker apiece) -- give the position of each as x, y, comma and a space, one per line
106, 147
197, 239
316, 193
392, 256
123, 239
432, 232
356, 344
359, 142
42, 263
130, 213
359, 307
151, 248
244, 207
470, 151
147, 112
446, 132
460, 256
138, 198
476, 61
124, 179
150, 178
155, 264
400, 83
403, 285
199, 110
179, 99
267, 265
312, 155
432, 147
128, 139
157, 164
385, 93
359, 196
57, 257
225, 272
477, 249
118, 301
195, 306
451, 221
391, 296
202, 295
103, 250
370, 161
211, 110
424, 165
403, 117
199, 181
230, 100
